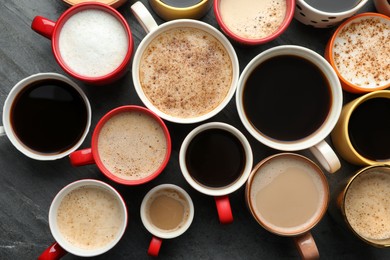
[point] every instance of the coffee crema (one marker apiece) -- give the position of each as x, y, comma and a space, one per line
132, 145
90, 217
185, 72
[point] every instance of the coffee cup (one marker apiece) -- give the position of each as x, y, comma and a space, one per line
167, 212
251, 22
91, 42
289, 98
359, 53
216, 159
46, 116
382, 6
112, 3
189, 9
86, 218
288, 194
130, 145
184, 70
325, 14
362, 135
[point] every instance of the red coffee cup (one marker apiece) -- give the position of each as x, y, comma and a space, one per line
130, 145
90, 41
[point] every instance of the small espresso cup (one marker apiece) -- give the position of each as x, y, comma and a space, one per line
130, 145
216, 160
359, 52
46, 116
253, 22
90, 41
184, 70
325, 14
362, 203
86, 218
289, 98
362, 134
167, 212
172, 9
288, 195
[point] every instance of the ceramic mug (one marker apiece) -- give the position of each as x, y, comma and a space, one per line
171, 10
130, 145
112, 3
46, 116
87, 34
282, 125
193, 74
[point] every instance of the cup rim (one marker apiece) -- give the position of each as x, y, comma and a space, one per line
64, 18
334, 112
21, 85
222, 190
180, 9
320, 214
53, 222
180, 23
155, 231
329, 53
95, 137
324, 13
248, 41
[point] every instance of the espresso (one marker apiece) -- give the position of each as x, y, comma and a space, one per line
49, 116
185, 72
182, 3
369, 129
287, 193
132, 145
90, 217
367, 204
215, 158
288, 107
333, 6
168, 210
253, 19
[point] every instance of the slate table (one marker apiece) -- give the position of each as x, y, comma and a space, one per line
27, 186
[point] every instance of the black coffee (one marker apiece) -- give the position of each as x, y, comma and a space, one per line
215, 158
286, 98
369, 129
180, 4
333, 6
49, 116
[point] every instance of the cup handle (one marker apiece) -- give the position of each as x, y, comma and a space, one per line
43, 26
55, 251
154, 246
307, 246
82, 157
326, 156
2, 131
144, 17
225, 214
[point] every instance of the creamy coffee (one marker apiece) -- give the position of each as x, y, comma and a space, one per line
287, 194
367, 205
185, 72
361, 52
90, 217
132, 145
168, 210
253, 19
93, 43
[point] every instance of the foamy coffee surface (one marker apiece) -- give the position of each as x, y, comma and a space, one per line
367, 205
93, 43
89, 217
253, 19
287, 194
132, 145
185, 72
361, 52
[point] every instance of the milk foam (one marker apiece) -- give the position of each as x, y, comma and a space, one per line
361, 52
93, 43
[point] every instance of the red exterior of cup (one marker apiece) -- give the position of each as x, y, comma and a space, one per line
244, 41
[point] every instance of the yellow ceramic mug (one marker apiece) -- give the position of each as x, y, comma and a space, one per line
171, 10
362, 133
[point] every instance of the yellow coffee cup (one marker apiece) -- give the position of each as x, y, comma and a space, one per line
171, 10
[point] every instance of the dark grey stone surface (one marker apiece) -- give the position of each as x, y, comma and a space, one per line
27, 186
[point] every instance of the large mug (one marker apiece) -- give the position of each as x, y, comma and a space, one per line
289, 98
184, 70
